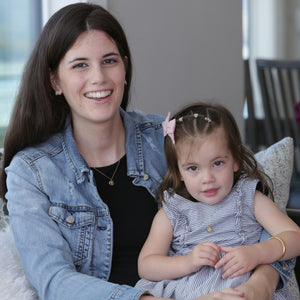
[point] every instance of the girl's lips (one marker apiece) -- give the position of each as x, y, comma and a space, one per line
210, 192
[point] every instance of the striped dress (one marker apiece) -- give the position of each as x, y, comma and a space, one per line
233, 224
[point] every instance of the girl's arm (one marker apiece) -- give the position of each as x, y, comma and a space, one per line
277, 224
155, 264
285, 245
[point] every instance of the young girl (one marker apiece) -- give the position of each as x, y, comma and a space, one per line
205, 236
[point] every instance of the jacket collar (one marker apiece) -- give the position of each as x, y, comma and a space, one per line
134, 153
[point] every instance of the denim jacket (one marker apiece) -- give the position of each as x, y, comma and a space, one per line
62, 228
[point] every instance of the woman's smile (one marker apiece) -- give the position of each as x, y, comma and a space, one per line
99, 95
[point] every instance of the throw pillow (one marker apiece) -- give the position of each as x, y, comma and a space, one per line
277, 162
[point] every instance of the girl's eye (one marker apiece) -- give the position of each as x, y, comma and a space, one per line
192, 168
218, 163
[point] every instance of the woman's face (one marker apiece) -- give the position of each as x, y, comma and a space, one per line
91, 76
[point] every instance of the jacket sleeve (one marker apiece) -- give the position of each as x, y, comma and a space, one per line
45, 254
284, 268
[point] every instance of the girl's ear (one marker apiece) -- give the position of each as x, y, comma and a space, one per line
180, 176
236, 166
54, 83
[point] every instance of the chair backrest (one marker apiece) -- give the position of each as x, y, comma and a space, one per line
251, 124
279, 82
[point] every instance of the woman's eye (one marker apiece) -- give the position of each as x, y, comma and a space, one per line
79, 66
109, 61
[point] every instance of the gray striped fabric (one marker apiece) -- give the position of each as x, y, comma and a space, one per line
233, 224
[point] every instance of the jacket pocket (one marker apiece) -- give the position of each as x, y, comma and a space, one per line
77, 224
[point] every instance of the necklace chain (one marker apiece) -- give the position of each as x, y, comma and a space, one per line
111, 181
208, 228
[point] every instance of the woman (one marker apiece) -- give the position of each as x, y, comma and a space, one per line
81, 171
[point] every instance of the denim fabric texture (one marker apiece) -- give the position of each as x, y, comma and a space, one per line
51, 191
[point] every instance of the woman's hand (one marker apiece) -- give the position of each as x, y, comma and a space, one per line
203, 254
226, 294
261, 284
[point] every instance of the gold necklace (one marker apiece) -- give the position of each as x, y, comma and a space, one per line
111, 181
208, 228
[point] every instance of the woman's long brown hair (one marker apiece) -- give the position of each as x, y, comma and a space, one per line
38, 112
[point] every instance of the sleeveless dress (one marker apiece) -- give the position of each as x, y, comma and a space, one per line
233, 224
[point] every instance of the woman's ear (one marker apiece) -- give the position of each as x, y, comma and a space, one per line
54, 83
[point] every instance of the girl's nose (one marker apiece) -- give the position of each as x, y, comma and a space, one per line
207, 176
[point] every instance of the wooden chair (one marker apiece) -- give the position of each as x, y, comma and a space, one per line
251, 122
279, 82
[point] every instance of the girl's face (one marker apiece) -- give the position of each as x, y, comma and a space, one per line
91, 76
207, 168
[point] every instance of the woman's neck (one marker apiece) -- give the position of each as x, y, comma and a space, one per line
101, 144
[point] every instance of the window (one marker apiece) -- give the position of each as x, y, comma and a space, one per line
20, 25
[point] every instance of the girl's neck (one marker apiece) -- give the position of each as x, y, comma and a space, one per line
101, 144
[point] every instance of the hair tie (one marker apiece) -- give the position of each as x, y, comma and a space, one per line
169, 127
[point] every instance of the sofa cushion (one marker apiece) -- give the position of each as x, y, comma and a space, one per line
277, 162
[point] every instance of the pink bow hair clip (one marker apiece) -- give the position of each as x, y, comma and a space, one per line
169, 127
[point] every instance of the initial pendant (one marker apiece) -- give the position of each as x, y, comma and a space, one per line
208, 228
111, 182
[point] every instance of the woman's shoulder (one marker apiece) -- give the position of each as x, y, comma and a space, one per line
141, 117
48, 147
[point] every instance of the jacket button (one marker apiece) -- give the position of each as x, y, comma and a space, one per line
70, 219
145, 177
285, 267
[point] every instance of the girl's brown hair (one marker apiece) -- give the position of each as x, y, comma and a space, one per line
38, 112
201, 119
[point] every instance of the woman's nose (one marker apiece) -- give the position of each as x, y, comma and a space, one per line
97, 75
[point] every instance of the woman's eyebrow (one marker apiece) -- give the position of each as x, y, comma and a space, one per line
77, 59
111, 54
84, 58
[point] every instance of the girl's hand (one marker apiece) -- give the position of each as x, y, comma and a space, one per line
238, 260
203, 254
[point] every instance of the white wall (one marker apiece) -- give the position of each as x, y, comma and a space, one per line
183, 51
49, 7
